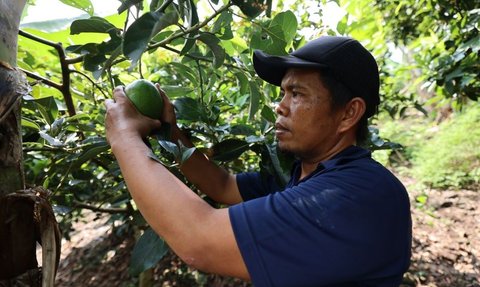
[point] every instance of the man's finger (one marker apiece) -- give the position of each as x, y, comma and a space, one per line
166, 99
109, 103
119, 94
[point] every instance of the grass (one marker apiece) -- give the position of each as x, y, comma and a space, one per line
446, 155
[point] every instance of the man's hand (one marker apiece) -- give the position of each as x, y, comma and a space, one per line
168, 113
124, 122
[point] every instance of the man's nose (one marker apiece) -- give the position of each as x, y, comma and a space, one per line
282, 107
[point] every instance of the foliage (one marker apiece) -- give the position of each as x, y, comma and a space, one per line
203, 64
428, 50
149, 249
446, 35
200, 54
409, 133
451, 158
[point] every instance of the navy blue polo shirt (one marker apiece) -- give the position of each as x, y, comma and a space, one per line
346, 224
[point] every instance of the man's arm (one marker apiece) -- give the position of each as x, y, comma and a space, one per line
201, 235
209, 178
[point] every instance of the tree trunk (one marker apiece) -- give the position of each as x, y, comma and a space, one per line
12, 87
26, 216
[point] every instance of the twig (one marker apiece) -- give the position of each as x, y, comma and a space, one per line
65, 86
205, 59
41, 79
195, 27
75, 60
79, 204
202, 92
90, 80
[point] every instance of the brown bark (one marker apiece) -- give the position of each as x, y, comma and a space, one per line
12, 87
26, 216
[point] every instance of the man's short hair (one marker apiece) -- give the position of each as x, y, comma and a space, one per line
339, 98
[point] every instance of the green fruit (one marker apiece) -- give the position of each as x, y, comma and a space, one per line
145, 97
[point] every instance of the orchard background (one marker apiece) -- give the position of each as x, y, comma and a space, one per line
200, 53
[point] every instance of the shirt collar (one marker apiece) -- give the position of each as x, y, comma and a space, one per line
348, 154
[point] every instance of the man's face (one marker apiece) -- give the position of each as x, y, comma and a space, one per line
306, 124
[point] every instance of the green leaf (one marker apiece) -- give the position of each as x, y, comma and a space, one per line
251, 8
170, 147
84, 5
154, 157
189, 109
139, 34
48, 108
90, 151
268, 114
189, 12
342, 25
126, 4
281, 163
108, 63
89, 48
222, 25
229, 149
93, 62
186, 154
56, 126
92, 25
277, 35
288, 23
148, 250
189, 43
213, 43
27, 123
254, 100
242, 129
51, 140
185, 71
243, 83
167, 18
176, 91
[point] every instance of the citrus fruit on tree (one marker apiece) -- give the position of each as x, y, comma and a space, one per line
145, 97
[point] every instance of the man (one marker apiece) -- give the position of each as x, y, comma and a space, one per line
342, 220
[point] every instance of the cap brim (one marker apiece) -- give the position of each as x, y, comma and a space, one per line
272, 68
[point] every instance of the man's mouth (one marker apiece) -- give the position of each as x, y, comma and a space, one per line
280, 129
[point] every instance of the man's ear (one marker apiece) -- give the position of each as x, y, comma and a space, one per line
352, 114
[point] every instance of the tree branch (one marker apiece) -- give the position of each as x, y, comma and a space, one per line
91, 81
41, 79
191, 29
78, 204
75, 60
65, 86
205, 59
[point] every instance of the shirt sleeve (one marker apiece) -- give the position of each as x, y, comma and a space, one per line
255, 184
325, 231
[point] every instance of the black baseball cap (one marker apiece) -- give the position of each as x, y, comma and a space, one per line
343, 57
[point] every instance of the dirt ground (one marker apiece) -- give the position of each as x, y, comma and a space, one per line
446, 249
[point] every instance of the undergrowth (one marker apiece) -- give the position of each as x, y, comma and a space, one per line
443, 156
